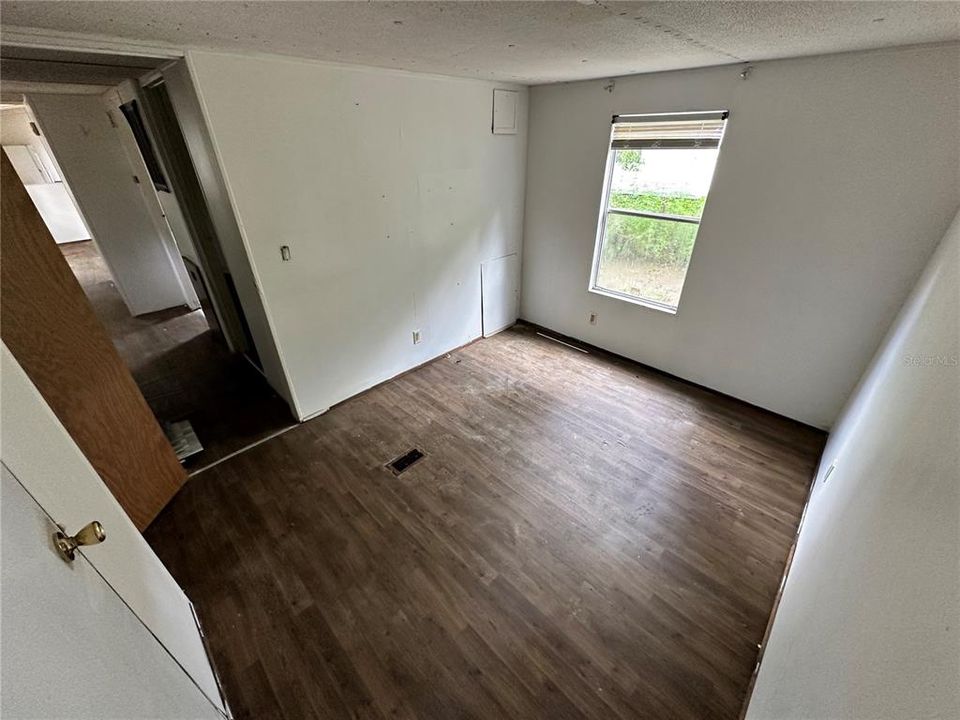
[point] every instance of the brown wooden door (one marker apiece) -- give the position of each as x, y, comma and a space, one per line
48, 324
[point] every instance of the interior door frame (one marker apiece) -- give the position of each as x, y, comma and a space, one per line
163, 128
263, 350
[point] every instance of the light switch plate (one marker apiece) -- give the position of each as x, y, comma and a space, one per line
829, 472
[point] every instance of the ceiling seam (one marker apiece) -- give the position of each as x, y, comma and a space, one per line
670, 30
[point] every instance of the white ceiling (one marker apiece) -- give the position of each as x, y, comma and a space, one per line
528, 42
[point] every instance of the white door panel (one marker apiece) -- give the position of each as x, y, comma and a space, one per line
58, 212
500, 290
27, 165
71, 648
52, 199
151, 197
96, 168
37, 449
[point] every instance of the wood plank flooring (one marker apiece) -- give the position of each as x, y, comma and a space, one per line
182, 367
586, 538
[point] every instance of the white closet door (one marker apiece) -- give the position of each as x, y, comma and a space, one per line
71, 647
42, 455
500, 289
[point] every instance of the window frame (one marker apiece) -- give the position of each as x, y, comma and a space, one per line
605, 211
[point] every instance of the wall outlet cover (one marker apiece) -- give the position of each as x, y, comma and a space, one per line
417, 337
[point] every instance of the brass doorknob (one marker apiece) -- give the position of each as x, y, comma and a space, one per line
90, 534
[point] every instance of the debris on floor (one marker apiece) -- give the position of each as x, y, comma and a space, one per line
184, 440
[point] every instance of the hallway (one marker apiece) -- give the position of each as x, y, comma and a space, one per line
182, 367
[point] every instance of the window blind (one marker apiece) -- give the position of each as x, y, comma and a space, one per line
682, 130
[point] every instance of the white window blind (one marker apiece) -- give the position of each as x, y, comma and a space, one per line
681, 130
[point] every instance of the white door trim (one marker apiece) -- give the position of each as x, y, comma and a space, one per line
17, 36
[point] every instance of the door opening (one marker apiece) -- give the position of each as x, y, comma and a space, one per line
149, 262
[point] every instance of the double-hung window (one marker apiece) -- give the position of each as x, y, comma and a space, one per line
659, 171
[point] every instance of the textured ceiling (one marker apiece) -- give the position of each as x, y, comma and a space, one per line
528, 42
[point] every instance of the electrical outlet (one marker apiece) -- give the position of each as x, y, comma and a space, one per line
593, 318
417, 337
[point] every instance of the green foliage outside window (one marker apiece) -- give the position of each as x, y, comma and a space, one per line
662, 242
664, 204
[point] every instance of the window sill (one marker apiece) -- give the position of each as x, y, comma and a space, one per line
651, 304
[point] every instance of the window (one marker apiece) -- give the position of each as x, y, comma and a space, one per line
658, 174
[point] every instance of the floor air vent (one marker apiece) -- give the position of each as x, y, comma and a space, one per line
405, 461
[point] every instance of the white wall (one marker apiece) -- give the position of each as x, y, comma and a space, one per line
838, 175
91, 158
40, 177
390, 190
869, 621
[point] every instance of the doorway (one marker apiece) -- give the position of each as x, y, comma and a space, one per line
146, 254
183, 368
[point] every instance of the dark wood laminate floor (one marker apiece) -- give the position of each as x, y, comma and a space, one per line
584, 539
183, 369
